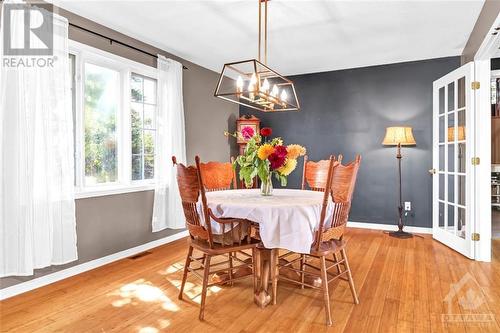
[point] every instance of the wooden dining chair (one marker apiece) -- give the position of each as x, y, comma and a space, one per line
315, 174
328, 241
190, 181
218, 176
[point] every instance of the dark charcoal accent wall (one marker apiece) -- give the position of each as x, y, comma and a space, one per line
346, 112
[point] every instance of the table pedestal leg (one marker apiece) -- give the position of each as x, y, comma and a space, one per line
262, 297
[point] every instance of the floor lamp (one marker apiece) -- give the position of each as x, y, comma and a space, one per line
399, 136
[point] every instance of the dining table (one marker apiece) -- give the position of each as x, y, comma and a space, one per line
287, 219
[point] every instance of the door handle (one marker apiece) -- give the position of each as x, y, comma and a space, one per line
432, 171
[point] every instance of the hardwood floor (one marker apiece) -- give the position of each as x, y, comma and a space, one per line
402, 285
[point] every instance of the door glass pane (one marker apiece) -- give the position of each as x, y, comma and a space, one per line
451, 128
441, 100
451, 96
451, 188
451, 218
461, 222
441, 215
461, 190
441, 129
461, 155
451, 157
461, 126
102, 98
441, 165
461, 92
441, 186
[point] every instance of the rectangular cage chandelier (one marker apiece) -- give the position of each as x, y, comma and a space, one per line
253, 84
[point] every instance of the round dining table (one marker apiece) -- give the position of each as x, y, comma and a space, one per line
287, 220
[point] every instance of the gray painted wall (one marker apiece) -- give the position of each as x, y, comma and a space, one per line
110, 224
346, 112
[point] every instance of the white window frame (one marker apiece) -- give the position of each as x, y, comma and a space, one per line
124, 184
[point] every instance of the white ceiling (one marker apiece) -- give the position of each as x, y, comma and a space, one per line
304, 37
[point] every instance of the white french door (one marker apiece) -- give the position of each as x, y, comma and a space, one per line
453, 145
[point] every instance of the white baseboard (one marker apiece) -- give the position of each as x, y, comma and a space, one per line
389, 227
65, 273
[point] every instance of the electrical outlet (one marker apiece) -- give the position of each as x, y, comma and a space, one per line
407, 205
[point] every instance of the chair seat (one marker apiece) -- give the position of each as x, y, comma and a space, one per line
218, 249
329, 247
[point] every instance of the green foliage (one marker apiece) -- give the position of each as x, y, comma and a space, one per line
100, 129
251, 165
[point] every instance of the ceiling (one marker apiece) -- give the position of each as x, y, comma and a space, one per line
304, 36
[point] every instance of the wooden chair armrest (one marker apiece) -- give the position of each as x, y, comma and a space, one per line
226, 220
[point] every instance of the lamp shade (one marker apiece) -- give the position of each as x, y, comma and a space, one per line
399, 135
460, 133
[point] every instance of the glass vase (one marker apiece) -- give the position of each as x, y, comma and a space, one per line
266, 187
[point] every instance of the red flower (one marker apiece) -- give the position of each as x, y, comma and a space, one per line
247, 132
266, 131
278, 158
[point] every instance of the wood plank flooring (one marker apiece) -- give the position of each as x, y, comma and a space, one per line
402, 285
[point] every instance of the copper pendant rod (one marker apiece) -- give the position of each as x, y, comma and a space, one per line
260, 24
265, 30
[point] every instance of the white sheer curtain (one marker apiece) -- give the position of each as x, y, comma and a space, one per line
170, 140
37, 207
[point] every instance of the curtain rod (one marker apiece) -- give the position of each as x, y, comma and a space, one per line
111, 40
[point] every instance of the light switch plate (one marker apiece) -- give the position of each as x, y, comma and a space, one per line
407, 205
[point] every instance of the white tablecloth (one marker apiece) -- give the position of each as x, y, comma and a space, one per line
287, 219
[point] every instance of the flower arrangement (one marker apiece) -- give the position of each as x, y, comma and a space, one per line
265, 158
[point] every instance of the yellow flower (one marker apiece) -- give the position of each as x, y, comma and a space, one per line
295, 151
289, 166
264, 151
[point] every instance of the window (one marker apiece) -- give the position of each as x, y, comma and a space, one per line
114, 106
143, 126
101, 104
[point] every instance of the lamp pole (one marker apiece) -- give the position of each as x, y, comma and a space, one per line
400, 233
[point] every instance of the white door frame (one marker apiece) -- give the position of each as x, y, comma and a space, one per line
482, 195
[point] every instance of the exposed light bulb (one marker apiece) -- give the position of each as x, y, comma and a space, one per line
284, 96
239, 84
251, 86
275, 91
253, 79
265, 86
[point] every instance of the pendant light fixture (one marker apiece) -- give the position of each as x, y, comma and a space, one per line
253, 84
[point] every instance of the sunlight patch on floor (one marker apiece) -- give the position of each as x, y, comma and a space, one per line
174, 268
193, 290
143, 291
148, 329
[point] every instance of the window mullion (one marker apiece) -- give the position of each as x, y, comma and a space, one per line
126, 130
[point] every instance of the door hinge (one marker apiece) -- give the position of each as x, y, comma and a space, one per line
476, 161
475, 237
475, 85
